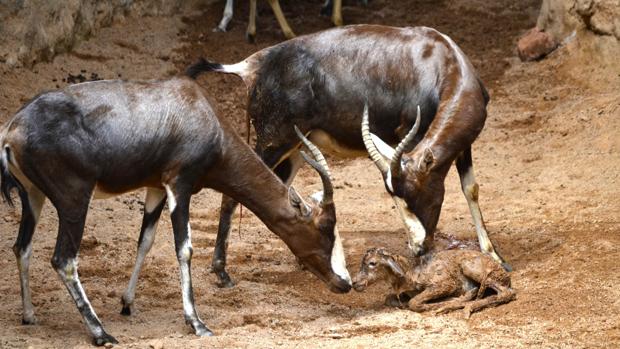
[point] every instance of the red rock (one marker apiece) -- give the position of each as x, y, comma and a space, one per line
535, 44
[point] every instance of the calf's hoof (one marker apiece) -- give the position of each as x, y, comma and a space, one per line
104, 339
391, 300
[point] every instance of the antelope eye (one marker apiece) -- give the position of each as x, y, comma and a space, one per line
372, 264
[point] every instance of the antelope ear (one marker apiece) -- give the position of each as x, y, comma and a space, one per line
396, 269
298, 203
384, 149
427, 161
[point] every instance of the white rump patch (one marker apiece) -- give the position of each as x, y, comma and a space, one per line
241, 68
339, 264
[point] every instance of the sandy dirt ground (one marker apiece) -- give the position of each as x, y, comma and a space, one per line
547, 162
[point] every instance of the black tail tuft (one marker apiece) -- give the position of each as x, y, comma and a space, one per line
7, 181
202, 65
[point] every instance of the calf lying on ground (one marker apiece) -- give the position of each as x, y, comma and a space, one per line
464, 274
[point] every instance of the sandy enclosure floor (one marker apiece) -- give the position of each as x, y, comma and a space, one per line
547, 162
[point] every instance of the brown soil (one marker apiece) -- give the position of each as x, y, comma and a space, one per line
547, 162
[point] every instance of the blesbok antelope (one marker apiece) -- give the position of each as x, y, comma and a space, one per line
104, 138
330, 7
321, 83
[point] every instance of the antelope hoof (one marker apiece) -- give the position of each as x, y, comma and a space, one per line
104, 339
224, 280
126, 310
499, 259
391, 300
200, 329
507, 267
219, 29
250, 38
29, 320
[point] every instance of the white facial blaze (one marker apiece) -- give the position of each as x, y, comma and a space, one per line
317, 197
415, 230
339, 264
388, 181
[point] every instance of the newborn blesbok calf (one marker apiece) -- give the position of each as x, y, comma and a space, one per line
425, 283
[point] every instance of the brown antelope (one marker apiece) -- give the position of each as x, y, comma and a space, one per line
321, 83
104, 138
330, 7
424, 283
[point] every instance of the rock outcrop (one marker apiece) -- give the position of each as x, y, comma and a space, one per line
37, 30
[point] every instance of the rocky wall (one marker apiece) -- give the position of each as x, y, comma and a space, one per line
37, 30
562, 17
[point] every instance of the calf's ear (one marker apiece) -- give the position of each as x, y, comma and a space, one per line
396, 269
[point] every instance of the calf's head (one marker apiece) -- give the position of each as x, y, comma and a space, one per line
417, 190
316, 241
377, 265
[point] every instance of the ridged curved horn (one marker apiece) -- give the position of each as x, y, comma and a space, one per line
395, 166
320, 165
370, 145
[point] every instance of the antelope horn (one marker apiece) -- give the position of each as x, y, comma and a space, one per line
370, 145
320, 165
395, 166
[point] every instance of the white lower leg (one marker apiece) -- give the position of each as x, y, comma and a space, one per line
69, 276
23, 264
189, 309
36, 199
470, 189
228, 13
143, 250
153, 199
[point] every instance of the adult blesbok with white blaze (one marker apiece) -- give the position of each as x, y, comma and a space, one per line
321, 83
104, 138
